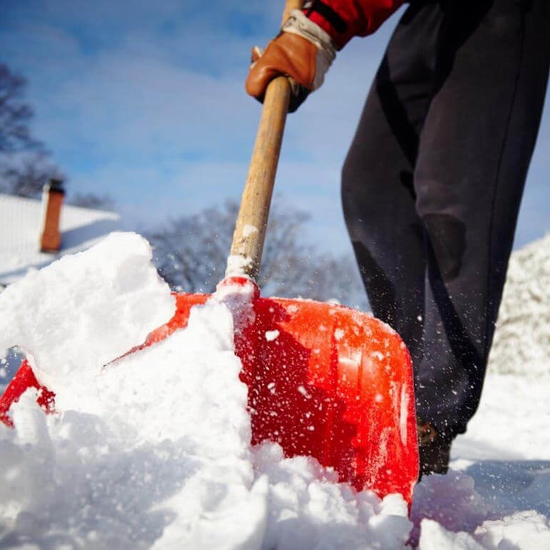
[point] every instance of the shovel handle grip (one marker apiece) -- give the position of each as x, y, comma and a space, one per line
291, 5
249, 236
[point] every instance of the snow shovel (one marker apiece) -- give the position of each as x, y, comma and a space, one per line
324, 380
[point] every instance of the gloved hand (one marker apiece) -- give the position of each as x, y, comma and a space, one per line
302, 51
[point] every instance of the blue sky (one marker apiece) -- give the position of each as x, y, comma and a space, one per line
145, 101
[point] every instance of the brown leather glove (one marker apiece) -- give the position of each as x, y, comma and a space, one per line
302, 51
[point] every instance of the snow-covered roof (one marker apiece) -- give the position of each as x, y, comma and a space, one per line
20, 230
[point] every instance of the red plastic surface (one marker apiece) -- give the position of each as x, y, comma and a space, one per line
324, 381
24, 378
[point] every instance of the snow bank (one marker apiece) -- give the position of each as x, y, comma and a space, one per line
85, 310
153, 450
522, 338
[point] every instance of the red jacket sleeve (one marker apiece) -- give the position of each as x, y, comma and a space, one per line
344, 19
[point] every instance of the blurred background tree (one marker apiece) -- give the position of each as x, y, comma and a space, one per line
191, 255
25, 163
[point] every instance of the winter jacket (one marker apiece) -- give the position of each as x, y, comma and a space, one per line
344, 19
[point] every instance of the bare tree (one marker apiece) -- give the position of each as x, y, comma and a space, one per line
25, 165
337, 279
90, 200
15, 113
191, 254
25, 174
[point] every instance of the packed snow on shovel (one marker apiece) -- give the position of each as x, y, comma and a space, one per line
152, 451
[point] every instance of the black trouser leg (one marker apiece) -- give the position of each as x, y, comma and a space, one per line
377, 185
433, 182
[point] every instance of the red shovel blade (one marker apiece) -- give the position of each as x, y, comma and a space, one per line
24, 378
324, 381
329, 382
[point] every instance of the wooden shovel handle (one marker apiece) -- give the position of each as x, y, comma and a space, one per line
250, 229
291, 5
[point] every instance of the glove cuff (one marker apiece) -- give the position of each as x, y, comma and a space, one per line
299, 24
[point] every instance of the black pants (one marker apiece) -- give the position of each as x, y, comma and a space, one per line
433, 180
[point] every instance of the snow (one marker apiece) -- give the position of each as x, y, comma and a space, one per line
152, 450
522, 339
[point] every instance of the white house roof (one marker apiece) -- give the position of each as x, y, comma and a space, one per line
20, 230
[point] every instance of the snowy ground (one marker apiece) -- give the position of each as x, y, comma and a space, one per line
152, 452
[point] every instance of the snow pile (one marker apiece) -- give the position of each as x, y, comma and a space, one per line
522, 338
94, 306
152, 451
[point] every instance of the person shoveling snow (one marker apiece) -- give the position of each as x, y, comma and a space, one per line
432, 182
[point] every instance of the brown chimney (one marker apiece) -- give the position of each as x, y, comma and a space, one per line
52, 197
